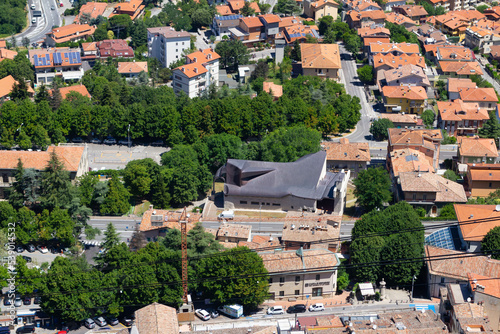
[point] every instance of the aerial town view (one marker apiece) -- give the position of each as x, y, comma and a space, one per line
250, 166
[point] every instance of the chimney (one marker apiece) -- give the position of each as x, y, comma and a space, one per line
195, 70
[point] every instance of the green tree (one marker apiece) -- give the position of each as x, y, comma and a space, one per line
246, 10
120, 24
19, 90
244, 275
261, 70
365, 73
491, 243
24, 141
428, 117
41, 137
112, 238
137, 178
379, 128
296, 53
289, 144
202, 17
491, 129
25, 41
116, 201
482, 8
139, 34
56, 98
353, 44
7, 139
373, 188
448, 212
42, 95
328, 122
288, 7
233, 53
451, 175
55, 186
101, 33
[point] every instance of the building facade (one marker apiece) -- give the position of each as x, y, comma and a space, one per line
167, 45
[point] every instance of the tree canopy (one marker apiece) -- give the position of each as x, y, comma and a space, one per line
379, 128
491, 243
373, 188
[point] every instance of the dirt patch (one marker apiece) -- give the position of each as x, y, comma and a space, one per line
139, 209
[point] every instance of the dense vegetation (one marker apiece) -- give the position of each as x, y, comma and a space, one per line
373, 188
12, 16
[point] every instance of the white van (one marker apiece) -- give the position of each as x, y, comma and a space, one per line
229, 214
33, 6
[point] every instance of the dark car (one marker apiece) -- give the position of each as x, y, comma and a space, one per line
124, 142
19, 249
110, 141
299, 308
31, 248
127, 320
54, 250
112, 321
27, 259
77, 140
96, 141
7, 301
27, 300
26, 329
157, 143
37, 300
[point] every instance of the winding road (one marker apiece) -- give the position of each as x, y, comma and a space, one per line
36, 32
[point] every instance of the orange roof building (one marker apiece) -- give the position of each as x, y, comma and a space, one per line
416, 13
400, 19
223, 10
3, 44
460, 118
408, 160
389, 61
408, 99
472, 233
477, 150
92, 10
455, 85
73, 32
354, 18
65, 91
156, 222
133, 8
7, 85
275, 90
7, 54
460, 69
321, 60
482, 179
346, 155
132, 69
424, 140
485, 97
52, 62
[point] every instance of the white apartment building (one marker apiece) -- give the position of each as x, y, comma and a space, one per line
201, 71
167, 45
52, 62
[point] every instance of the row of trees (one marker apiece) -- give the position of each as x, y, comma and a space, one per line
12, 16
335, 30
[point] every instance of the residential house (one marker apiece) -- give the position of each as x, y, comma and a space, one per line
305, 234
221, 24
455, 23
414, 12
495, 52
459, 69
459, 118
451, 266
156, 223
484, 97
362, 5
344, 155
271, 24
406, 75
115, 48
429, 36
236, 5
429, 191
318, 9
492, 13
156, 319
3, 44
482, 179
223, 10
275, 90
374, 31
485, 292
395, 49
390, 4
408, 99
471, 235
453, 53
481, 38
7, 54
368, 40
300, 32
131, 70
51, 62
90, 51
439, 3
248, 30
132, 8
65, 91
234, 233
355, 19
463, 4
200, 71
407, 160
74, 159
70, 33
454, 85
402, 120
400, 19
423, 140
321, 60
475, 150
296, 186
167, 45
386, 62
301, 273
89, 11
7, 85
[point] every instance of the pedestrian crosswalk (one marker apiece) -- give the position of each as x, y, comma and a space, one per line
92, 242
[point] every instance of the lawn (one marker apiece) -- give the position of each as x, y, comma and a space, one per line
140, 208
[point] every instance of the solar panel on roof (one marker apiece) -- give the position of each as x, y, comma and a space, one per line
47, 56
78, 59
35, 60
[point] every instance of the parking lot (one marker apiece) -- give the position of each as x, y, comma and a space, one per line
117, 156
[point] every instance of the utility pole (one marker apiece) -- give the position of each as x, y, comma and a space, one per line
128, 135
412, 284
184, 220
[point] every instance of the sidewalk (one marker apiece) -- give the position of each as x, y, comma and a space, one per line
337, 300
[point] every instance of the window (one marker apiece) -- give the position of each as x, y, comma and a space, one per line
5, 178
176, 43
442, 280
282, 280
414, 196
243, 202
297, 292
489, 185
317, 292
176, 50
176, 56
425, 197
282, 293
270, 280
276, 204
318, 276
297, 279
182, 43
255, 203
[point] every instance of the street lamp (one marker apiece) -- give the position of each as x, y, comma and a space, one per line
412, 284
128, 135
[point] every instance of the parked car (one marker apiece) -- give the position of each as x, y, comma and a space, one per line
7, 301
124, 142
157, 143
31, 248
96, 141
42, 249
19, 249
77, 140
54, 250
27, 259
18, 301
110, 141
52, 8
299, 308
26, 329
89, 323
317, 307
127, 321
100, 321
202, 314
112, 321
33, 20
214, 314
276, 310
27, 300
37, 300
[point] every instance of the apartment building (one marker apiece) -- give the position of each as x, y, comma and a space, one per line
459, 118
200, 71
318, 9
416, 13
221, 24
357, 19
91, 10
49, 63
70, 33
482, 179
115, 48
395, 49
248, 30
408, 99
483, 39
132, 8
167, 45
321, 60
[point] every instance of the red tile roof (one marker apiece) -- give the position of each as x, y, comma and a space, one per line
477, 147
467, 213
7, 84
192, 70
70, 156
202, 56
407, 92
77, 88
115, 48
125, 67
457, 110
461, 67
478, 94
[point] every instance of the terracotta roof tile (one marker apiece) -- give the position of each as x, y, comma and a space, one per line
478, 94
260, 242
454, 52
40, 53
413, 137
166, 219
70, 156
7, 84
407, 71
477, 147
401, 118
368, 40
322, 3
392, 61
70, 32
132, 67
77, 88
157, 319
446, 191
202, 56
309, 231
408, 160
234, 231
471, 212
377, 31
7, 54
458, 110
412, 11
94, 9
398, 19
251, 21
115, 48
3, 44
455, 83
223, 10
290, 261
491, 286
320, 56
276, 90
407, 92
483, 172
345, 151
270, 18
289, 21
92, 46
407, 48
371, 14
461, 67
168, 32
192, 70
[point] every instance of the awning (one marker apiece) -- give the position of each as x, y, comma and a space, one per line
366, 289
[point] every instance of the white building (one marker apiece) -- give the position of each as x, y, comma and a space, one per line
201, 70
51, 62
167, 45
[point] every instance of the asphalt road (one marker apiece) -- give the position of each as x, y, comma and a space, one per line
36, 32
124, 226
